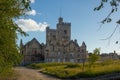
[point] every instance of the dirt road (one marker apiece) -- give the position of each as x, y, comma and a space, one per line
30, 74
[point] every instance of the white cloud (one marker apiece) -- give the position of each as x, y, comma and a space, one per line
31, 25
32, 1
32, 12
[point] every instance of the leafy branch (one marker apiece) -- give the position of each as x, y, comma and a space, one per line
114, 8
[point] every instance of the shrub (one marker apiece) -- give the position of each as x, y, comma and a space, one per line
72, 65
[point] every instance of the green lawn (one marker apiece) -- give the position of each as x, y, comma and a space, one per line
73, 70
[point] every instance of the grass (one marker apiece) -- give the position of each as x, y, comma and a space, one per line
8, 75
74, 70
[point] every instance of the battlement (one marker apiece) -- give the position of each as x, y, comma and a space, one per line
67, 24
61, 22
50, 30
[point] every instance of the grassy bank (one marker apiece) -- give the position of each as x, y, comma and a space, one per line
73, 70
8, 75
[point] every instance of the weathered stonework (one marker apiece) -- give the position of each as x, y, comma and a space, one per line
58, 48
32, 52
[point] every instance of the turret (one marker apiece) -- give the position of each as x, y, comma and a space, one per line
83, 44
47, 28
75, 41
21, 44
60, 20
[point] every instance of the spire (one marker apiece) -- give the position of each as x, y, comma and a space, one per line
60, 12
60, 20
83, 44
21, 43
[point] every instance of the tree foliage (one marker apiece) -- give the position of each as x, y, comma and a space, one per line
94, 56
9, 11
114, 8
114, 4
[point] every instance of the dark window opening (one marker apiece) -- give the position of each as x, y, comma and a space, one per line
53, 48
65, 31
82, 51
54, 37
35, 51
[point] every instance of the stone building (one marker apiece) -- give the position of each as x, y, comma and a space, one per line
60, 47
32, 51
109, 56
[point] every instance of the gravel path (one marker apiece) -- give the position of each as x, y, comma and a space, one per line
30, 74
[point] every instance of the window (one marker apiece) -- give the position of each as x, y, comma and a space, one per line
53, 60
82, 51
65, 31
58, 54
58, 59
71, 55
54, 37
71, 60
53, 47
35, 51
63, 60
52, 54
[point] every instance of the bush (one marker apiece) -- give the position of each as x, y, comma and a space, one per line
72, 65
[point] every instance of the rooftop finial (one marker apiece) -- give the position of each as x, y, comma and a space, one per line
60, 12
60, 18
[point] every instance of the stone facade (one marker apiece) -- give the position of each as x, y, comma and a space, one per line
32, 52
109, 56
60, 47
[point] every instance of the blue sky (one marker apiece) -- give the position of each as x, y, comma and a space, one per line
85, 22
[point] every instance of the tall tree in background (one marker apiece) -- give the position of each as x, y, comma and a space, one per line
94, 56
9, 11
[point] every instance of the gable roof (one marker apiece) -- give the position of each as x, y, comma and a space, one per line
34, 39
83, 44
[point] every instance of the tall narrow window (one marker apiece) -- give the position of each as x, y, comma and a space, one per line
65, 31
35, 51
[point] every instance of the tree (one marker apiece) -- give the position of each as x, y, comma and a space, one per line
94, 56
10, 10
114, 8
